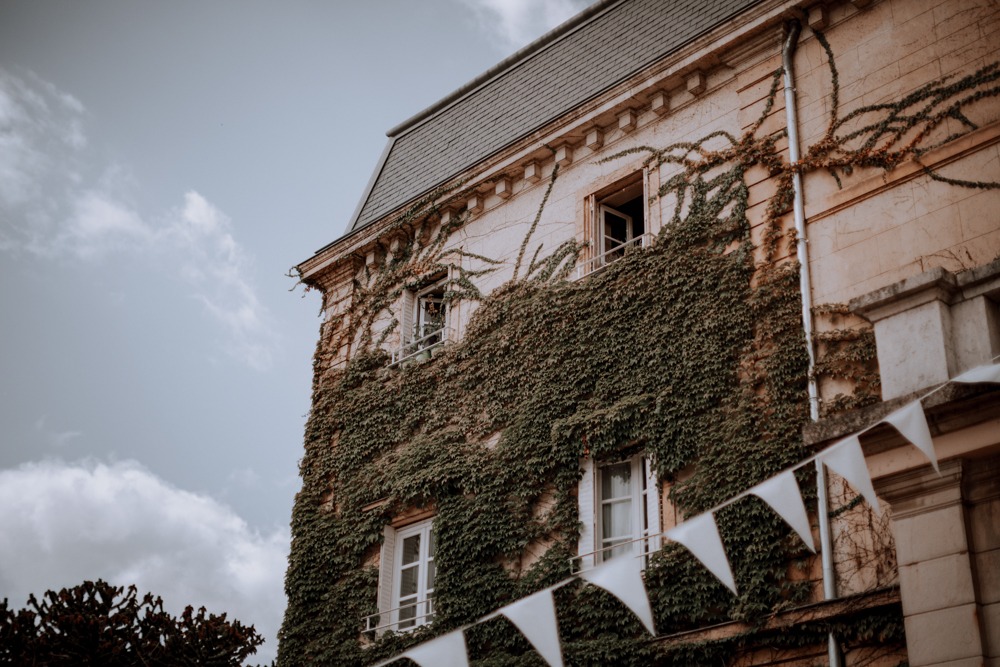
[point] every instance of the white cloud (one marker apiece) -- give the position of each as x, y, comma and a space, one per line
49, 210
515, 23
64, 523
213, 261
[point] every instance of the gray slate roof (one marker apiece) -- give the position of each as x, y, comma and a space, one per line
574, 68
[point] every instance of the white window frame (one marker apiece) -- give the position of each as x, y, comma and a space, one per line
645, 511
605, 249
419, 315
390, 577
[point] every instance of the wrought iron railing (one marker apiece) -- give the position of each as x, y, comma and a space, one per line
594, 263
421, 348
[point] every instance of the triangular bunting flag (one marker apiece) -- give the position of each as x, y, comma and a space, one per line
621, 577
444, 651
701, 537
847, 460
912, 425
783, 495
535, 617
980, 374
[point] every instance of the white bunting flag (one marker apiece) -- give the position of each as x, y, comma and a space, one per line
444, 651
701, 537
622, 578
912, 425
980, 374
847, 460
783, 495
535, 617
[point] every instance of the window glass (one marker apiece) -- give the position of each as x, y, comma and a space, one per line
624, 493
616, 481
414, 574
411, 549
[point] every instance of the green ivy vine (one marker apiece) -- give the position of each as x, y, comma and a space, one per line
690, 350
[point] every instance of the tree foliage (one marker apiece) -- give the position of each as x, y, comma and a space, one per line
97, 623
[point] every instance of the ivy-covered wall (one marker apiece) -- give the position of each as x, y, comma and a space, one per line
691, 351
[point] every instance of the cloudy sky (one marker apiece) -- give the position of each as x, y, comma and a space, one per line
162, 166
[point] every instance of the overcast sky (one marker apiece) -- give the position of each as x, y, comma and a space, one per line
162, 166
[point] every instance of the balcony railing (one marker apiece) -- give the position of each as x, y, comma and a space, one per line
373, 622
639, 547
422, 348
602, 260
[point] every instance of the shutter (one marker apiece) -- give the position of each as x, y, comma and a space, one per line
586, 502
386, 564
652, 504
596, 229
406, 322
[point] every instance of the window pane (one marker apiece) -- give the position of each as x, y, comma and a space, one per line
406, 615
616, 520
411, 549
408, 581
615, 227
431, 545
620, 550
616, 481
430, 575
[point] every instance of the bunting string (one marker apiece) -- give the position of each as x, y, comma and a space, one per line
535, 615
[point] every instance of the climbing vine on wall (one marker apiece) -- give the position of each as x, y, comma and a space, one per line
690, 350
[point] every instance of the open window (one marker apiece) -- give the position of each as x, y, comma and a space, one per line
430, 316
406, 578
617, 222
619, 507
423, 320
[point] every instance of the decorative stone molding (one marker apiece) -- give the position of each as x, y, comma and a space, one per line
659, 103
532, 172
818, 17
595, 139
920, 491
627, 120
564, 155
696, 82
932, 326
503, 188
474, 205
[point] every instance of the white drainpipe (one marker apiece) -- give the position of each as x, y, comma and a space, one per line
805, 285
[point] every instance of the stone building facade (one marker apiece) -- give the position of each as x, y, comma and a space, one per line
872, 160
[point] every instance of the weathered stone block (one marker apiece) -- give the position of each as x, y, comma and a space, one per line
936, 584
990, 615
943, 636
988, 569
